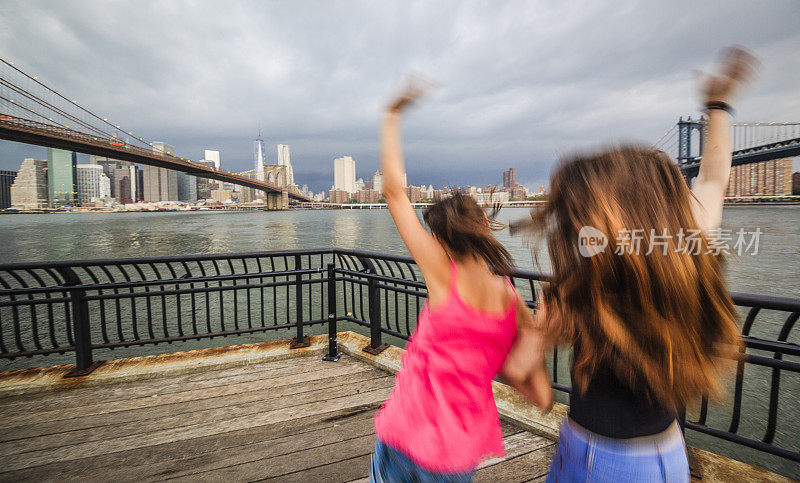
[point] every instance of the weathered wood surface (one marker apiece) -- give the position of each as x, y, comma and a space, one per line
299, 420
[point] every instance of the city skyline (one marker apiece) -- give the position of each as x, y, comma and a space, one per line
529, 104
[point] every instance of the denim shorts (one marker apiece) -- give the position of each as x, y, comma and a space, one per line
392, 466
585, 456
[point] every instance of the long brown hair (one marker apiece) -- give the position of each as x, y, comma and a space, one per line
465, 229
660, 320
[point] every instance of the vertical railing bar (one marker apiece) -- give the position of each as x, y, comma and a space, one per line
133, 300
221, 296
150, 330
772, 416
235, 295
163, 299
117, 308
178, 310
193, 296
208, 296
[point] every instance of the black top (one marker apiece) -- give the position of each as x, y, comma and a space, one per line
610, 408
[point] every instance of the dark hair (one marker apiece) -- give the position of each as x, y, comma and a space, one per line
464, 228
662, 320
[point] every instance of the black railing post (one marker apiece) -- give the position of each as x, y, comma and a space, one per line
694, 467
300, 340
80, 326
376, 345
333, 348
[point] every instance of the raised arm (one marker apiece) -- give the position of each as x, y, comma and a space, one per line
429, 255
715, 166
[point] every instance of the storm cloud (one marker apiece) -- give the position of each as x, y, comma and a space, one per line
521, 82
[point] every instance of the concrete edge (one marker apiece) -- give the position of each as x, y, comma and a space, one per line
41, 379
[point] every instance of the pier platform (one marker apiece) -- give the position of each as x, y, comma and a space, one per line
241, 413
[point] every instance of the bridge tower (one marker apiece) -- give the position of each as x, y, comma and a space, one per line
685, 131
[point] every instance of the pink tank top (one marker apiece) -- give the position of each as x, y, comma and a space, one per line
441, 412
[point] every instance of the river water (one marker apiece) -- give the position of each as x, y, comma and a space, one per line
774, 269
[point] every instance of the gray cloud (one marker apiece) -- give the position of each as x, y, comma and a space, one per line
521, 81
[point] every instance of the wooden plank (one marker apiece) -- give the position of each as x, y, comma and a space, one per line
143, 463
284, 465
345, 470
517, 445
74, 397
205, 428
138, 396
174, 404
522, 468
231, 409
539, 479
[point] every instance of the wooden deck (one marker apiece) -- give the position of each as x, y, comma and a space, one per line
297, 419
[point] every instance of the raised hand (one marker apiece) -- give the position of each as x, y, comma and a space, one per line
416, 86
737, 67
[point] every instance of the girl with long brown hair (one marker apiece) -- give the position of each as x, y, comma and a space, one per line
637, 291
440, 419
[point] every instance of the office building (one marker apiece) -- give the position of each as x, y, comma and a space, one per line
367, 196
259, 157
30, 190
344, 174
88, 182
510, 178
61, 173
160, 184
284, 160
187, 188
6, 181
213, 156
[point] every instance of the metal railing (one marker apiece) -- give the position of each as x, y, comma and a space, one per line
85, 306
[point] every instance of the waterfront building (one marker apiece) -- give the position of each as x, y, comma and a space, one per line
284, 159
187, 188
510, 178
222, 195
205, 185
765, 178
61, 173
88, 182
125, 182
6, 181
160, 184
377, 181
344, 174
489, 197
105, 187
30, 191
414, 193
360, 184
260, 157
338, 196
111, 167
367, 196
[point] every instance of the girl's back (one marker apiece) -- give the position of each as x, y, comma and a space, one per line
441, 413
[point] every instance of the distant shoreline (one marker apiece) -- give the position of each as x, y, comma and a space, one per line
337, 208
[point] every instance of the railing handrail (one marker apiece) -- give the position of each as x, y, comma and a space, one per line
381, 292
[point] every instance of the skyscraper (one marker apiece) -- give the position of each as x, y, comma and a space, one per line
344, 174
259, 156
160, 184
6, 180
187, 188
510, 178
284, 160
88, 182
29, 191
61, 173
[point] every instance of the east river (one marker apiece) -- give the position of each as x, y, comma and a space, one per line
774, 270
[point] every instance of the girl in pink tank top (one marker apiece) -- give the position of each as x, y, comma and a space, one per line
441, 420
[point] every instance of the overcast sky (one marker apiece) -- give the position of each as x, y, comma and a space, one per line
521, 82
